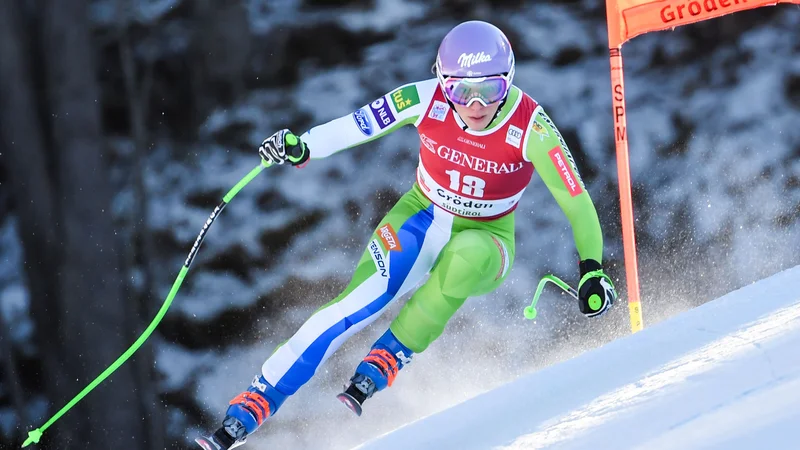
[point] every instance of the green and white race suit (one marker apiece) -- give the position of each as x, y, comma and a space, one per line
456, 223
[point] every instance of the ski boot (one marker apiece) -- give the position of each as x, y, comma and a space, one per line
225, 437
247, 411
376, 372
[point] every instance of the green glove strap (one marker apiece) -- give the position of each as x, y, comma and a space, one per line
595, 302
293, 140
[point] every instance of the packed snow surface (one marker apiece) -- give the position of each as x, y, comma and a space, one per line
725, 375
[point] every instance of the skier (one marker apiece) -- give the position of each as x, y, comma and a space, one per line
481, 138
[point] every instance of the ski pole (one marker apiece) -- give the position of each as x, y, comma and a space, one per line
530, 311
35, 435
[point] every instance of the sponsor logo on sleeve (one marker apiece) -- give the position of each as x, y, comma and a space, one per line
539, 129
389, 238
405, 98
382, 113
514, 136
364, 123
566, 171
381, 263
547, 120
438, 111
563, 147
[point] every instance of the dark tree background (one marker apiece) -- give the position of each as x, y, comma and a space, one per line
74, 260
79, 76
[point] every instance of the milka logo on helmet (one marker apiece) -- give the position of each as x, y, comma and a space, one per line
468, 59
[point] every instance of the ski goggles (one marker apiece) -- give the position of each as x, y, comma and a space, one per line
484, 90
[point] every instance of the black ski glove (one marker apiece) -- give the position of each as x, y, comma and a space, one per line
283, 147
596, 292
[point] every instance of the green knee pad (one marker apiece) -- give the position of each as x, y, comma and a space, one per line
472, 263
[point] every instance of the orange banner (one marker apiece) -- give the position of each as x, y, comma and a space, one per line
630, 18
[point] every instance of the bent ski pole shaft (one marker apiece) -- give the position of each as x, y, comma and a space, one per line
35, 435
530, 311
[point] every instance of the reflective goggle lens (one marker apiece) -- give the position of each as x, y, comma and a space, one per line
463, 91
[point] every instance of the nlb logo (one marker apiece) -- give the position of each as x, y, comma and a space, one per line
389, 238
383, 115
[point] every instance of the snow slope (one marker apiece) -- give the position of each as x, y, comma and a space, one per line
725, 375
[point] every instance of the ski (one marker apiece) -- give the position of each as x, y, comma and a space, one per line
353, 398
220, 440
350, 402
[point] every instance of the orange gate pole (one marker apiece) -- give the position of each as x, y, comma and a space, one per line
625, 199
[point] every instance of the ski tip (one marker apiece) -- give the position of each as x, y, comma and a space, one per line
205, 444
350, 402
